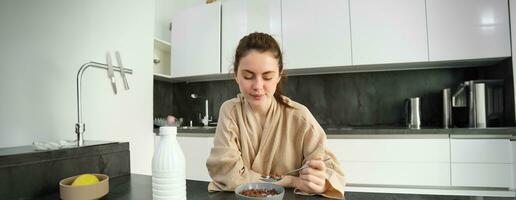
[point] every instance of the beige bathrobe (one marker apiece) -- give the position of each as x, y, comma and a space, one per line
243, 151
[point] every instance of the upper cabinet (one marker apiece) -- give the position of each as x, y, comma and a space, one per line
161, 58
316, 33
388, 31
196, 41
341, 35
467, 29
241, 17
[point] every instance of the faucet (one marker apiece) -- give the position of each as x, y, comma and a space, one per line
206, 119
79, 126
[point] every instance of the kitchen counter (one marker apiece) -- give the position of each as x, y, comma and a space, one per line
26, 173
388, 132
29, 149
139, 187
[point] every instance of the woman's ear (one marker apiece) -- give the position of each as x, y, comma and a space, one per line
280, 76
236, 78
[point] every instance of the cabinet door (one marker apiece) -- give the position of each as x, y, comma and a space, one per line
316, 33
481, 151
481, 163
388, 31
468, 29
241, 17
196, 41
513, 142
196, 150
416, 162
481, 175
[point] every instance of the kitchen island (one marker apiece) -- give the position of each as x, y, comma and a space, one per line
139, 187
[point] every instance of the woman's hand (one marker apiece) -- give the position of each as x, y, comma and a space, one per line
313, 179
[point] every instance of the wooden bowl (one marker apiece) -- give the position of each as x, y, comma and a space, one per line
86, 192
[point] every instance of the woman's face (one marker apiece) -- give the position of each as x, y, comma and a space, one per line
257, 77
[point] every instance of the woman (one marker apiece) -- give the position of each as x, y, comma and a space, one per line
262, 132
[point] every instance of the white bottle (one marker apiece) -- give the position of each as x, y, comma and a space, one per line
168, 167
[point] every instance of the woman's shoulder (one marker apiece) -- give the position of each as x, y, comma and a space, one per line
230, 104
299, 114
297, 109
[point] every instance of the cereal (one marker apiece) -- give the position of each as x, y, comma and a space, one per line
259, 192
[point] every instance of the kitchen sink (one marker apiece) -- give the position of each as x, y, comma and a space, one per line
192, 129
197, 128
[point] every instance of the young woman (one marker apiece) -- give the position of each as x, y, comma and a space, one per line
263, 133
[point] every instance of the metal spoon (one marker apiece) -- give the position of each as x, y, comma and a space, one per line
278, 178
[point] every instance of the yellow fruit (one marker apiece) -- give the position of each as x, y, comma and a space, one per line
85, 179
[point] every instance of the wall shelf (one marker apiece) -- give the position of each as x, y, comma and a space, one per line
162, 53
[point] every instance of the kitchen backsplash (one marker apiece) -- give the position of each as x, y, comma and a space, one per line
344, 100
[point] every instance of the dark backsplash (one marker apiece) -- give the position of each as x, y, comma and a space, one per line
343, 100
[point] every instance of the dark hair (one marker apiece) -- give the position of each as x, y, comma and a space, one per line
262, 42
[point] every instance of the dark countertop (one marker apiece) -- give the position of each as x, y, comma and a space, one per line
28, 149
376, 132
139, 187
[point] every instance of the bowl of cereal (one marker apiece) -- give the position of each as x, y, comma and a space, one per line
255, 191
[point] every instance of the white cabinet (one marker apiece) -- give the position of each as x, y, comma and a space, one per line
316, 33
415, 162
467, 29
481, 163
388, 31
196, 151
161, 58
513, 142
196, 41
241, 17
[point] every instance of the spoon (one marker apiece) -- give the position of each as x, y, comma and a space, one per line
271, 179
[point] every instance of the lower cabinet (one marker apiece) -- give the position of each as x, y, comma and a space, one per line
400, 162
482, 175
513, 142
196, 151
456, 164
397, 173
482, 163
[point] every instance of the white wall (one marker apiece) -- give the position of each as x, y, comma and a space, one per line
42, 46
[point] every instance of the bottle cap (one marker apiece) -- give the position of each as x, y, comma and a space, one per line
167, 130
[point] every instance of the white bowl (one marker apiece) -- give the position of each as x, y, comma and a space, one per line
268, 186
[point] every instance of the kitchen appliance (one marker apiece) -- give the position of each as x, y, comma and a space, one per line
479, 104
447, 114
413, 113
